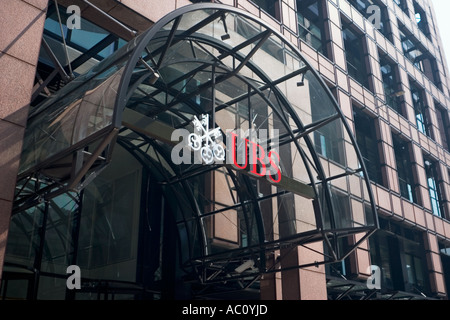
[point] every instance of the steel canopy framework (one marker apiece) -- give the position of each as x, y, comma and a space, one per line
217, 60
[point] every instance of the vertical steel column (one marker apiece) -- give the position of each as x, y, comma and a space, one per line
34, 286
213, 98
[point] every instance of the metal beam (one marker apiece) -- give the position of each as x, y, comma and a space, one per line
133, 33
44, 84
82, 172
55, 60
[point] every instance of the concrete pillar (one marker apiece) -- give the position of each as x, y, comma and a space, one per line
21, 27
306, 283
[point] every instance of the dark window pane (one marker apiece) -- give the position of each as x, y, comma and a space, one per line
404, 170
310, 24
391, 92
365, 133
269, 6
421, 19
420, 110
443, 126
354, 54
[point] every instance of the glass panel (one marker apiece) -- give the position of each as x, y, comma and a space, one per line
433, 187
13, 289
354, 54
270, 6
366, 138
24, 237
421, 19
305, 214
72, 118
310, 23
420, 110
107, 243
51, 288
232, 229
58, 248
404, 169
388, 71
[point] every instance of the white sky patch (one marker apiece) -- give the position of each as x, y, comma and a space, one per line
442, 10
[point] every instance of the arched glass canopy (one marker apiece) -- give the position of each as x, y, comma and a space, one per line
215, 60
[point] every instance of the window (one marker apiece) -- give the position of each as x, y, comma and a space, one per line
403, 5
269, 6
433, 187
400, 254
420, 111
365, 8
416, 271
390, 84
419, 56
310, 24
421, 20
354, 54
411, 50
365, 134
443, 125
404, 169
385, 253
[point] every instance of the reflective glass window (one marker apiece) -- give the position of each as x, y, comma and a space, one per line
421, 19
420, 110
354, 54
433, 187
404, 169
442, 116
311, 24
366, 137
390, 84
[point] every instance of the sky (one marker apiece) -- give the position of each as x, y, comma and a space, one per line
442, 10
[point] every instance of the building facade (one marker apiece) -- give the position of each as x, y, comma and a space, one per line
353, 201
